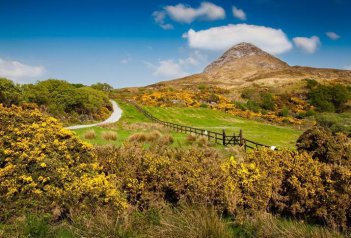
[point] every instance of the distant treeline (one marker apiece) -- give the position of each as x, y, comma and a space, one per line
63, 100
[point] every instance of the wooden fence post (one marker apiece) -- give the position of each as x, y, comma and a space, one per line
223, 133
241, 137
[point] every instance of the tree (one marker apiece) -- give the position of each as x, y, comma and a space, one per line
102, 87
9, 92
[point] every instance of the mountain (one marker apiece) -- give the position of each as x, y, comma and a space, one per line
245, 58
245, 65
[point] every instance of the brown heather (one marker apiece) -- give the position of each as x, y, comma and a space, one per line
90, 134
109, 135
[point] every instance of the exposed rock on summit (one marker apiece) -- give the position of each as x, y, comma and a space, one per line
245, 58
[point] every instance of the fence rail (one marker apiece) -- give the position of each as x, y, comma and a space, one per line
218, 138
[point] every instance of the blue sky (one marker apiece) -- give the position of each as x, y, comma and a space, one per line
135, 43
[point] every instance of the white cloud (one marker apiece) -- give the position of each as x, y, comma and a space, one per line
195, 59
126, 60
221, 38
332, 35
170, 68
239, 13
309, 45
159, 17
19, 72
186, 14
348, 67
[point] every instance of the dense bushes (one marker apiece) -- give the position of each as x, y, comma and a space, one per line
168, 174
44, 167
68, 102
336, 122
306, 188
9, 92
328, 98
287, 183
326, 146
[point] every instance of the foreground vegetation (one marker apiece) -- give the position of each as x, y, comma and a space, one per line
164, 221
142, 180
69, 189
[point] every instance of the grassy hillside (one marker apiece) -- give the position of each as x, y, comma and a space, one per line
196, 117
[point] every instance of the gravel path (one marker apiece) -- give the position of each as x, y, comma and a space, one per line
115, 116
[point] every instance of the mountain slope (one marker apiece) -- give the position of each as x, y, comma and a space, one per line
245, 65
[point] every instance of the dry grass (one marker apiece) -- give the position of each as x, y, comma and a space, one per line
266, 225
109, 135
190, 138
109, 126
152, 137
144, 126
137, 137
166, 140
187, 221
201, 141
191, 222
90, 134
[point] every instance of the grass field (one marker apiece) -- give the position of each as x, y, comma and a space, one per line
197, 117
216, 121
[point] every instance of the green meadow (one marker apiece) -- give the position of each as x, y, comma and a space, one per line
133, 121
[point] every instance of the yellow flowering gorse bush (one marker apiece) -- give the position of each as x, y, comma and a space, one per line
215, 99
283, 182
45, 165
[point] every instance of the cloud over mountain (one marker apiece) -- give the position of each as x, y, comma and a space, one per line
272, 40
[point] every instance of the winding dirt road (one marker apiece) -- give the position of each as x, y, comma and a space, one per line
115, 116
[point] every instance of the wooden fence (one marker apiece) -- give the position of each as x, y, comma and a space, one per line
219, 138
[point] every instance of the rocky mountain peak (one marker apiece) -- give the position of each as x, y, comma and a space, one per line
243, 49
239, 53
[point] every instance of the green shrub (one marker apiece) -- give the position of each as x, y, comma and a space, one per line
253, 106
248, 93
284, 112
66, 101
267, 101
9, 92
335, 122
329, 98
241, 106
204, 105
202, 87
105, 87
